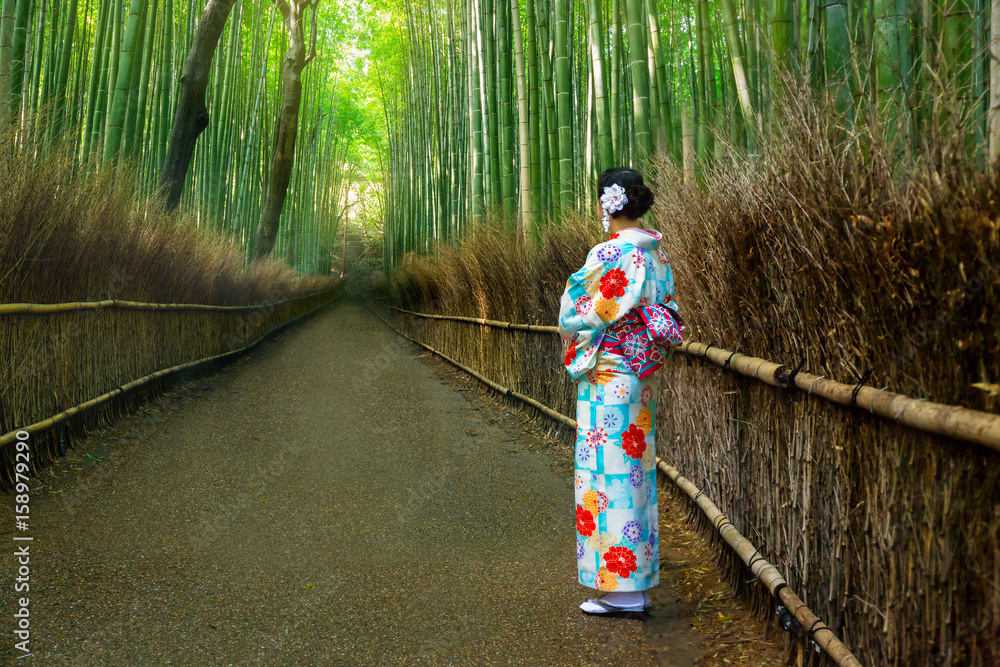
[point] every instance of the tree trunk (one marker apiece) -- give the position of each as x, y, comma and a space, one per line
564, 107
550, 136
838, 54
782, 29
957, 50
617, 104
706, 72
191, 117
893, 62
19, 45
287, 123
475, 116
690, 155
534, 117
508, 181
664, 132
64, 65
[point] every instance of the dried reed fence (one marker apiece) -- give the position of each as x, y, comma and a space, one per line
68, 360
102, 288
817, 254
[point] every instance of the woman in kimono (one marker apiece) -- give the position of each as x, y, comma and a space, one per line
615, 316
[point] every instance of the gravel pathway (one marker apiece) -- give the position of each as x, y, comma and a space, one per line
328, 499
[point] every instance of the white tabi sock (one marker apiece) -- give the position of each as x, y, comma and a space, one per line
622, 600
614, 602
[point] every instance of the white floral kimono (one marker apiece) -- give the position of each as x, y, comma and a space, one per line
616, 513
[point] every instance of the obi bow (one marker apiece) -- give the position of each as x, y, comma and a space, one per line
638, 335
663, 324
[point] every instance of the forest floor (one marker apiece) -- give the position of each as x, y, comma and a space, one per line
338, 496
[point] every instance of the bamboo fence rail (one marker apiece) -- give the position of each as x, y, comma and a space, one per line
981, 428
50, 308
479, 320
765, 572
65, 354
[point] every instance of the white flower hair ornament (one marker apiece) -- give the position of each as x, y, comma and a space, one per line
612, 200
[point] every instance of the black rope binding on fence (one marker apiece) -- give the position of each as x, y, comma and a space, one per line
790, 378
857, 389
813, 629
725, 366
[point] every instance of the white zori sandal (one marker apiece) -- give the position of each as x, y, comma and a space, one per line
617, 602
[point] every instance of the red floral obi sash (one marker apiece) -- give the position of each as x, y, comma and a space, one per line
639, 333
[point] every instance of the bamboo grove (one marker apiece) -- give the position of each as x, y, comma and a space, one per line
513, 107
102, 78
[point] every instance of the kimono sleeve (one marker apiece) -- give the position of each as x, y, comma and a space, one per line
668, 300
602, 291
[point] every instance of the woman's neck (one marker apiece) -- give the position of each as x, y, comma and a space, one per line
621, 224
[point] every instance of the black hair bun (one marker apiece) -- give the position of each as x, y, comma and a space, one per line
640, 197
640, 200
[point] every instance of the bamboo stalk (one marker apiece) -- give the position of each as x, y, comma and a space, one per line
8, 438
752, 367
974, 426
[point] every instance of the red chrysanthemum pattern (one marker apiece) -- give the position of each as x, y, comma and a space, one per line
621, 561
613, 284
570, 353
584, 521
634, 441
